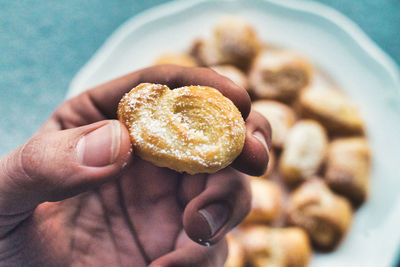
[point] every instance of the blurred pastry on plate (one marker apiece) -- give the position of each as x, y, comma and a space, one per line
276, 247
332, 109
348, 167
280, 116
303, 151
279, 74
234, 74
233, 41
176, 59
267, 202
236, 253
325, 216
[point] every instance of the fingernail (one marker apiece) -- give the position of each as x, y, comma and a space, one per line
216, 216
100, 147
261, 138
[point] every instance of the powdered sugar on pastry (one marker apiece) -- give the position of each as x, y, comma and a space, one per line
190, 129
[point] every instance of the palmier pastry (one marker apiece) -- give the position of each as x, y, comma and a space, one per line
348, 167
303, 152
325, 216
176, 59
280, 116
276, 247
266, 203
234, 74
332, 109
191, 129
279, 74
236, 254
233, 42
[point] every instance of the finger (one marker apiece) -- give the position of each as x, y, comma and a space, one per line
222, 205
107, 96
58, 165
76, 112
254, 157
189, 254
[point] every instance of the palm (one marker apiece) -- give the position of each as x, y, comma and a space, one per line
138, 216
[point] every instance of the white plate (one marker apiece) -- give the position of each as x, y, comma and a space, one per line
333, 43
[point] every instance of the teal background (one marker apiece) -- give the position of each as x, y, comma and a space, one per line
44, 43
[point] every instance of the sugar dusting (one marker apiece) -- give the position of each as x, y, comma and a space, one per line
192, 124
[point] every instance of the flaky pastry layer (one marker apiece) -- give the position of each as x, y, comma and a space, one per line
193, 129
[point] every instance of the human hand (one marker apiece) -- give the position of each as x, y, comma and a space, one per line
75, 194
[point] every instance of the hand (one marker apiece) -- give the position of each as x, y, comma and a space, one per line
75, 194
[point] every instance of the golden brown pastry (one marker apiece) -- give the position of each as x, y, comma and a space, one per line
236, 254
279, 74
303, 152
190, 129
325, 216
233, 42
280, 116
176, 59
266, 203
332, 109
234, 74
348, 167
276, 247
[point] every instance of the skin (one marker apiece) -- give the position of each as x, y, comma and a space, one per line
56, 211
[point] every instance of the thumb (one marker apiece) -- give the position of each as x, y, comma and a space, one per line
57, 165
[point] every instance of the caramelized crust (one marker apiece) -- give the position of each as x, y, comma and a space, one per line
348, 167
193, 129
267, 201
280, 116
279, 74
236, 253
233, 42
276, 247
325, 216
333, 109
303, 152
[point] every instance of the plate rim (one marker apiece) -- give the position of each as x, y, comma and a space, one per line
306, 6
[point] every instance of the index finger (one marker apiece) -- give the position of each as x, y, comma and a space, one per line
107, 96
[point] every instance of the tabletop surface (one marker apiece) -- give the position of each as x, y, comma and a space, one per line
44, 43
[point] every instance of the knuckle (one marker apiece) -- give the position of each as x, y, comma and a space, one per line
20, 168
32, 157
